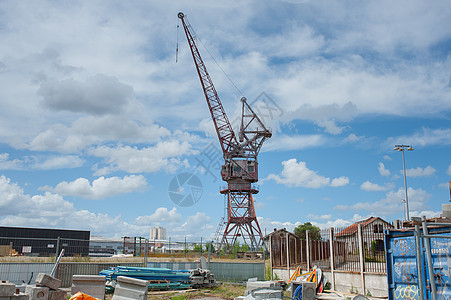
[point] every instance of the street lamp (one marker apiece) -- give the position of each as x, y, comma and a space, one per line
402, 148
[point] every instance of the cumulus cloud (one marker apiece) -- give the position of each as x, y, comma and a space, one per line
420, 172
382, 170
373, 187
161, 216
53, 211
392, 203
297, 174
340, 181
100, 188
90, 130
164, 155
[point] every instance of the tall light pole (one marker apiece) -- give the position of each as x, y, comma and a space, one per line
402, 148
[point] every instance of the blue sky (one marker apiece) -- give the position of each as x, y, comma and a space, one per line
97, 117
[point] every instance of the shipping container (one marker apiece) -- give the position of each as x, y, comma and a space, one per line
407, 263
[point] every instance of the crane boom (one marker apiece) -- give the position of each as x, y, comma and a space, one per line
223, 127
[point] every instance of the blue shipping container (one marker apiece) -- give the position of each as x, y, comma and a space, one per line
403, 272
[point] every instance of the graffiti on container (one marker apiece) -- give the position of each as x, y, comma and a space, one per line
402, 269
406, 292
404, 247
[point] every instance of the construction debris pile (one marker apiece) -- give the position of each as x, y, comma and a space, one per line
201, 278
47, 287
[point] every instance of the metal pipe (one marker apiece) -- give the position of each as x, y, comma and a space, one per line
361, 256
55, 266
405, 185
429, 261
419, 264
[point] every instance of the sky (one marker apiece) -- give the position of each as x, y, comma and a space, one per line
99, 124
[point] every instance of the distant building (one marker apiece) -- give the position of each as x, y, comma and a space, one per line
158, 233
44, 241
105, 247
372, 233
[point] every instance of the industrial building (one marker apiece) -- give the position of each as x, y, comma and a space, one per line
45, 242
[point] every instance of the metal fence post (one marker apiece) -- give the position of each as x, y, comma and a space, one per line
146, 252
429, 260
270, 255
331, 250
361, 256
288, 254
57, 248
307, 247
419, 264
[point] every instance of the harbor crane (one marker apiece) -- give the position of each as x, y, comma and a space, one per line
240, 169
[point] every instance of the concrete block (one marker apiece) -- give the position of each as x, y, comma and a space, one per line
57, 295
49, 281
20, 296
37, 292
92, 285
7, 288
252, 285
130, 288
267, 293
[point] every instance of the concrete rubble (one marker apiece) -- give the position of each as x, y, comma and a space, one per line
46, 288
200, 278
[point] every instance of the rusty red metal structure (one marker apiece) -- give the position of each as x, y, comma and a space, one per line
240, 169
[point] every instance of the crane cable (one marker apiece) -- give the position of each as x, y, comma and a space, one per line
209, 53
177, 47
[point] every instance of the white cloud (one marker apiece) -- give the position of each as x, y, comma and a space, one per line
164, 155
373, 187
391, 204
293, 142
420, 172
101, 187
424, 137
160, 216
297, 174
340, 181
51, 162
322, 217
449, 170
353, 138
427, 213
259, 205
386, 157
382, 170
195, 224
330, 126
59, 162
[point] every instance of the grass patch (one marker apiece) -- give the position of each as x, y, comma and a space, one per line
224, 291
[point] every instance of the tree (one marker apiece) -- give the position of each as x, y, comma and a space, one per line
208, 245
314, 231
